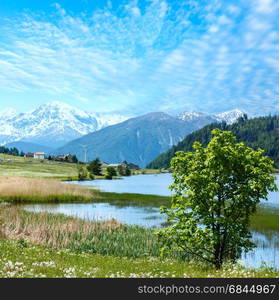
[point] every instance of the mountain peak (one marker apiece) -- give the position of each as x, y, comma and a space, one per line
230, 116
8, 113
190, 115
58, 107
53, 123
156, 115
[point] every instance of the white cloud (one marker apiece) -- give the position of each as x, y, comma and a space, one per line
224, 20
264, 6
234, 9
213, 29
213, 57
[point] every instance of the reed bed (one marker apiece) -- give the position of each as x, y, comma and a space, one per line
20, 189
62, 232
52, 245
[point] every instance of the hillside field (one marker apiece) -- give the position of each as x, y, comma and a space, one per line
30, 167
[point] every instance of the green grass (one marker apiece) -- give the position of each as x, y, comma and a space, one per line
20, 259
46, 199
149, 171
130, 199
29, 167
55, 245
117, 199
111, 238
60, 231
128, 251
266, 219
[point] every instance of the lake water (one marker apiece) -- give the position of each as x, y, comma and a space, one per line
152, 184
267, 245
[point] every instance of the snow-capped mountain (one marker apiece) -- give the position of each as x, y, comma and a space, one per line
55, 124
229, 117
8, 113
202, 119
52, 124
196, 119
190, 115
139, 140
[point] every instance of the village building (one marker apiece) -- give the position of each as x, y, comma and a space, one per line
29, 155
39, 155
62, 156
124, 165
133, 166
117, 165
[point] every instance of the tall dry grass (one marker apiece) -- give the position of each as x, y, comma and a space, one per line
36, 187
62, 232
56, 231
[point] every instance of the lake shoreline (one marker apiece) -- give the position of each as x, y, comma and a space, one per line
58, 222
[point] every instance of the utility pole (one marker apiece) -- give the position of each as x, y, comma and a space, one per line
85, 152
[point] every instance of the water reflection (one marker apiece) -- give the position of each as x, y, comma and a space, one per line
153, 184
267, 249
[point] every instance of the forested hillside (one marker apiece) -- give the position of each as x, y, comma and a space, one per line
261, 132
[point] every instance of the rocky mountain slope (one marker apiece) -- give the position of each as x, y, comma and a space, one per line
138, 140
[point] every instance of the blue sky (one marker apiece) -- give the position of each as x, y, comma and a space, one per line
141, 56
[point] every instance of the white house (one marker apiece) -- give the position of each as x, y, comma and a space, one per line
39, 155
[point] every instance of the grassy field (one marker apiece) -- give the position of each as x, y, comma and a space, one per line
51, 245
266, 219
60, 232
26, 190
36, 190
29, 167
107, 238
19, 259
48, 245
149, 171
129, 199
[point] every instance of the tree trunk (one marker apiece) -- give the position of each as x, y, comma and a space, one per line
218, 260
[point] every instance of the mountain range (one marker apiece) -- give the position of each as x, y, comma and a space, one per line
201, 119
58, 128
260, 132
52, 124
140, 139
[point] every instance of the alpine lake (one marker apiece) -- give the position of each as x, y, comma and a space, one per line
267, 241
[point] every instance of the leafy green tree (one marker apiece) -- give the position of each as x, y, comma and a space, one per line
127, 172
121, 170
111, 172
82, 173
216, 189
74, 159
95, 167
14, 151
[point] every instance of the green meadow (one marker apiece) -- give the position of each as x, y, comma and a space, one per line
55, 245
30, 167
19, 259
